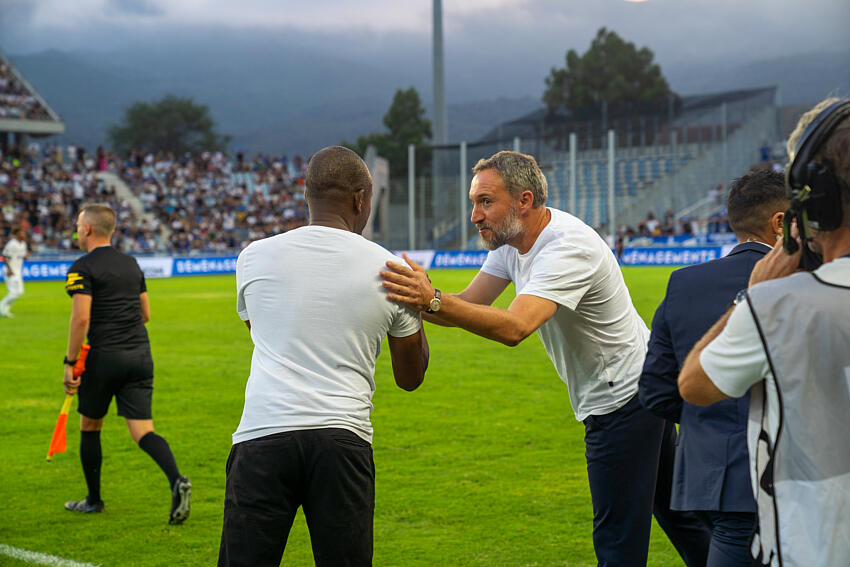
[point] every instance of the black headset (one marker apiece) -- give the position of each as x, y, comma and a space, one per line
811, 185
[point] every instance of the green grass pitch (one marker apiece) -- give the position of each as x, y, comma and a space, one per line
482, 465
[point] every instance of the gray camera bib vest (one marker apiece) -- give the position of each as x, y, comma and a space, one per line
800, 423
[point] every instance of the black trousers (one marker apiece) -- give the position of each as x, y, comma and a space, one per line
730, 538
623, 451
329, 472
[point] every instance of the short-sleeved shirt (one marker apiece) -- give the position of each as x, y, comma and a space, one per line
735, 359
318, 315
13, 256
114, 281
596, 339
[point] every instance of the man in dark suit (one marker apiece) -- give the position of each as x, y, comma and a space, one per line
710, 473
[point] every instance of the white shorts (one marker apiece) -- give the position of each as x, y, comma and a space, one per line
15, 285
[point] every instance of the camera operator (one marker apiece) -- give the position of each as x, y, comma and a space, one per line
789, 338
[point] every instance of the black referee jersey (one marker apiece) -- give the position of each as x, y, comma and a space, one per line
114, 281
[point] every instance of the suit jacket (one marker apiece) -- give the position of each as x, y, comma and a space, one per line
711, 467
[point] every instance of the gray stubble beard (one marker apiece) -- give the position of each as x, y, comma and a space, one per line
504, 232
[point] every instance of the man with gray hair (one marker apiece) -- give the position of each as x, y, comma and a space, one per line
571, 291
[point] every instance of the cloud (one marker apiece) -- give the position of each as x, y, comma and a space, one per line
135, 7
543, 29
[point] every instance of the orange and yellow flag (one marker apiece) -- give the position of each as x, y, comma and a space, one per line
58, 443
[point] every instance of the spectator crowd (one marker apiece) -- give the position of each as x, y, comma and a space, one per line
201, 204
210, 203
193, 204
16, 101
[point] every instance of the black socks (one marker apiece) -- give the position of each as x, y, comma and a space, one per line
158, 449
91, 457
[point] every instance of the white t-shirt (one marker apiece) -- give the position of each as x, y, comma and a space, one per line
735, 359
318, 314
13, 254
596, 339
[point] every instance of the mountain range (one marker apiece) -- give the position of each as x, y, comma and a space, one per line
280, 97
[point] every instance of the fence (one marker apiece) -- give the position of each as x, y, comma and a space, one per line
607, 178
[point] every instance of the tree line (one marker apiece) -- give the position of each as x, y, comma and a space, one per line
611, 71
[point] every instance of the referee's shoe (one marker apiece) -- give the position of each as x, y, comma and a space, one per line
180, 493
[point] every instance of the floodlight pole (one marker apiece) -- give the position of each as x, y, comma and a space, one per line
464, 198
440, 114
441, 129
724, 121
573, 184
612, 221
411, 197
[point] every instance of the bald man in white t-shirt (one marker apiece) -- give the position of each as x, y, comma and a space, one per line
317, 314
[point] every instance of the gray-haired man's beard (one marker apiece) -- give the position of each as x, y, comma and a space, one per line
502, 233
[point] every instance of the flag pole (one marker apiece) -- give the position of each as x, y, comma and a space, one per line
58, 443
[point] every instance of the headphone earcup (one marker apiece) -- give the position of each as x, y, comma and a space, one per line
824, 203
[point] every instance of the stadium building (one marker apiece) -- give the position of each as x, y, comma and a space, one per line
610, 167
23, 112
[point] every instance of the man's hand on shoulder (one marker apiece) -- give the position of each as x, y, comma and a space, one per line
408, 285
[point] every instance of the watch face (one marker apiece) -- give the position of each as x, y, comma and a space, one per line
435, 304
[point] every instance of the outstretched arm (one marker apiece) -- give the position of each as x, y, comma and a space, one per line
409, 285
482, 290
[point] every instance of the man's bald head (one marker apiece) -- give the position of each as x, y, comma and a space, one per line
336, 172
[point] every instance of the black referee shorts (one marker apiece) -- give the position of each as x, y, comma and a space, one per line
126, 374
330, 472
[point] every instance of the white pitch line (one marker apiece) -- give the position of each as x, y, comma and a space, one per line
40, 558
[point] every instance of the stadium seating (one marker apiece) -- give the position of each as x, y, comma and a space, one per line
197, 204
632, 174
43, 193
209, 203
16, 100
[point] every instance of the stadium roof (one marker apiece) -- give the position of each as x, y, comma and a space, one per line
532, 124
46, 126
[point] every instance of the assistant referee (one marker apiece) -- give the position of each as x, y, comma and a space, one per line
110, 305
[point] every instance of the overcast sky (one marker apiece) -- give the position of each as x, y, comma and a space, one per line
675, 29
493, 48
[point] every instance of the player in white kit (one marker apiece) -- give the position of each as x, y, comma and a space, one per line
13, 257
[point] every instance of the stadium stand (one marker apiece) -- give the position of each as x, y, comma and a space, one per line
23, 112
16, 101
211, 203
662, 161
197, 204
43, 192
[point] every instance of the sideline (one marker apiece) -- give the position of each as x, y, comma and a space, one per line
40, 558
